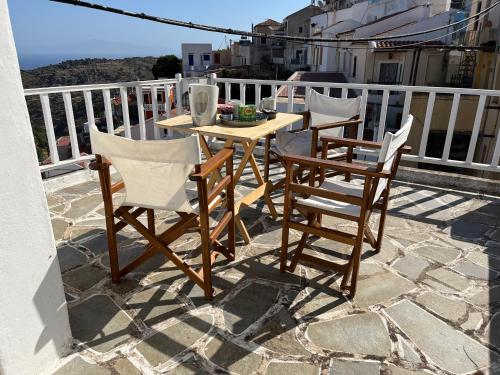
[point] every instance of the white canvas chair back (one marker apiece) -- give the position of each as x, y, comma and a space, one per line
154, 172
326, 110
388, 151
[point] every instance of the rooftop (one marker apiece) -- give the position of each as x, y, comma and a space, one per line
429, 302
269, 22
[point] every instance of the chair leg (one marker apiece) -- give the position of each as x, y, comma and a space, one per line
298, 252
267, 147
356, 259
284, 244
381, 225
151, 220
231, 230
205, 240
107, 196
207, 267
349, 160
113, 252
301, 245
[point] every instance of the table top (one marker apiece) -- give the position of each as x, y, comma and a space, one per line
184, 124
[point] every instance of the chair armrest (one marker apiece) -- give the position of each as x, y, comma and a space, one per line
358, 143
336, 165
336, 124
306, 119
351, 142
212, 164
97, 165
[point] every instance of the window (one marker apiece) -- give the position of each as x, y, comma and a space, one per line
206, 57
190, 59
389, 72
300, 30
354, 66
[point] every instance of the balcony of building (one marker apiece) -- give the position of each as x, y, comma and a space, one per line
428, 303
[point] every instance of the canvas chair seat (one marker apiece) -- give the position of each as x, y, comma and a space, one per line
299, 143
335, 206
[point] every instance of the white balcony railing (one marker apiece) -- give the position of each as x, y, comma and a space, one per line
379, 99
121, 93
382, 96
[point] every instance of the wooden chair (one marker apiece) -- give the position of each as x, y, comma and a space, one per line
154, 177
342, 199
327, 116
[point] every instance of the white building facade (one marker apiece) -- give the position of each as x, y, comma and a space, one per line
196, 59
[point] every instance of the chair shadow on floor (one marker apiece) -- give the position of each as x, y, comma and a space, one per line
231, 279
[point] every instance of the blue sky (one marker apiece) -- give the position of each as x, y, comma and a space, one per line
42, 27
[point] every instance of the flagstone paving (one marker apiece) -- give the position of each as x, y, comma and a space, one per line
429, 303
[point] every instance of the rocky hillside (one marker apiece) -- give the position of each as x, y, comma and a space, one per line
78, 72
87, 71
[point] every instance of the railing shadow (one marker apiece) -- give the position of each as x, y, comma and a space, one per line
476, 226
410, 205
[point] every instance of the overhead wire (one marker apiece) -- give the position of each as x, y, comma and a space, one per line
258, 35
403, 46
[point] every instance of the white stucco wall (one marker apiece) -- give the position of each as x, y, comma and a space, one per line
34, 327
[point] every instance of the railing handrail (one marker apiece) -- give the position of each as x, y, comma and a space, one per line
365, 90
96, 86
360, 86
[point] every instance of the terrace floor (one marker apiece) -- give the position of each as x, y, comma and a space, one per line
428, 303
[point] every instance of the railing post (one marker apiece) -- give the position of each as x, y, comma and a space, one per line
154, 105
70, 119
178, 93
362, 114
227, 88
289, 107
125, 112
49, 128
140, 112
451, 126
108, 111
475, 129
212, 79
243, 87
383, 116
427, 124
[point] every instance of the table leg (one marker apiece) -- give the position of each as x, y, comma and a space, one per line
260, 179
246, 156
241, 227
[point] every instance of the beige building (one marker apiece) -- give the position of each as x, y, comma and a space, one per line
266, 50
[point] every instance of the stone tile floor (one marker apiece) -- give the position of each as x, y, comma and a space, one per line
428, 303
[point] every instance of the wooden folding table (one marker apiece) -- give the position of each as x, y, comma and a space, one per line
248, 137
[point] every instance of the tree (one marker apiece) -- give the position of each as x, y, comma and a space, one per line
167, 66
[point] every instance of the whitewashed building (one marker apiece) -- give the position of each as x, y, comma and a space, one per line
196, 58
